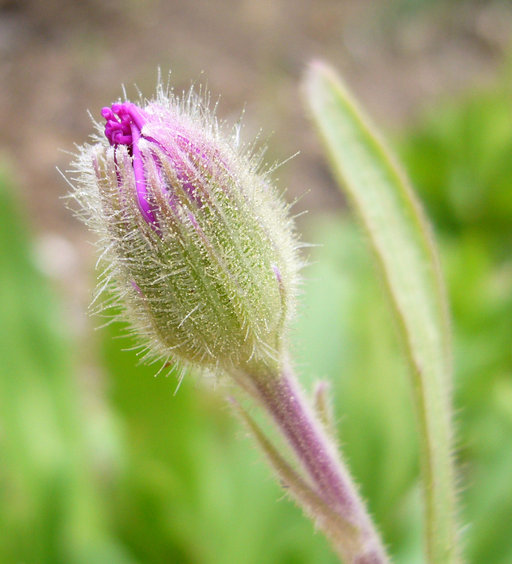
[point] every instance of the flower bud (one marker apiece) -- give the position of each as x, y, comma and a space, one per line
198, 246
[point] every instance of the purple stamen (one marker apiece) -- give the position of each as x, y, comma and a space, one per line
124, 125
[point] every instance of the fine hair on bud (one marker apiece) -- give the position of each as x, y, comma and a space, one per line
195, 242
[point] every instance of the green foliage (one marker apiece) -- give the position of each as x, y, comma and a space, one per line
460, 160
49, 506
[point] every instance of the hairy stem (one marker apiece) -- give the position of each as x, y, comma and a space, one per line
349, 528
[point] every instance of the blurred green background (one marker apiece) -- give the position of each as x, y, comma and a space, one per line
99, 461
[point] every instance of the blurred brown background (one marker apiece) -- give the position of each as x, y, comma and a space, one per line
59, 59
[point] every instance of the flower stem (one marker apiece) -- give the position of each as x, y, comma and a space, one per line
345, 520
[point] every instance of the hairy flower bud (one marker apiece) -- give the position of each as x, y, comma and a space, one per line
198, 246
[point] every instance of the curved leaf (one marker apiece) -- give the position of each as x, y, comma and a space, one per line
402, 242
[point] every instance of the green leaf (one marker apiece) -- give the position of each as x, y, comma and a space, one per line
404, 250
